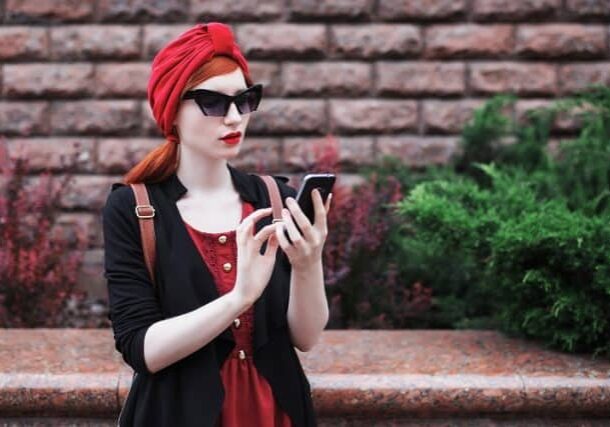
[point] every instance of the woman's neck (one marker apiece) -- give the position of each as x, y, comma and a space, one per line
204, 176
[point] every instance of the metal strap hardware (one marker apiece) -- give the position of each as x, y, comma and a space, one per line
151, 215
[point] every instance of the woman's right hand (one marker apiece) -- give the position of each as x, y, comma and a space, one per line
253, 269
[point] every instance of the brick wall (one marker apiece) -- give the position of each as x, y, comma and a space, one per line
386, 77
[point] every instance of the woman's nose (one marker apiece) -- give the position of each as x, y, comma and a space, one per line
233, 114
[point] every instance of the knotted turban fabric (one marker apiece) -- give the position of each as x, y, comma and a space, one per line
178, 60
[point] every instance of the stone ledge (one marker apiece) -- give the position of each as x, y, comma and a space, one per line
410, 374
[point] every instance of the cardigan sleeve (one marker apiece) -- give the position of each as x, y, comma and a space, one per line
133, 306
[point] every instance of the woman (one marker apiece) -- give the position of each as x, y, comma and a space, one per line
212, 344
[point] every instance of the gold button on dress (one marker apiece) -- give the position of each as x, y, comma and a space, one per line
236, 322
222, 239
227, 266
242, 354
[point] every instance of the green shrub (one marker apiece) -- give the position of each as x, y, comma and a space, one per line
511, 237
542, 269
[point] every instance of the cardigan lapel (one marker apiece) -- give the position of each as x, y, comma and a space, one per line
251, 189
243, 182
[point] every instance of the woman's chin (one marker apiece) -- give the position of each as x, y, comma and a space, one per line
232, 151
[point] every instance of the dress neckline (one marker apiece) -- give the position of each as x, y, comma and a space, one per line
219, 233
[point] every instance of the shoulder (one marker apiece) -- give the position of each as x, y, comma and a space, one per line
120, 194
282, 178
285, 188
119, 200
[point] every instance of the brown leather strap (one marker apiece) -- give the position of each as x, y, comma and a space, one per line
274, 196
145, 213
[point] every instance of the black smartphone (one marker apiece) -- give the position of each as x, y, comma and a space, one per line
324, 183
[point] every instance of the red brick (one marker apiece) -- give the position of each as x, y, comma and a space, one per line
289, 116
337, 9
416, 151
142, 10
576, 77
79, 42
282, 40
354, 151
468, 41
515, 10
127, 79
205, 10
588, 8
519, 78
326, 78
419, 10
448, 116
88, 192
92, 117
349, 180
43, 11
90, 277
259, 155
157, 36
24, 118
47, 79
373, 115
149, 126
420, 78
561, 41
23, 43
118, 155
55, 154
69, 222
375, 40
267, 73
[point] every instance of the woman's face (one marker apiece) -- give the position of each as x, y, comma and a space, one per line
201, 134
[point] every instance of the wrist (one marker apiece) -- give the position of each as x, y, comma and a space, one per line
308, 267
239, 301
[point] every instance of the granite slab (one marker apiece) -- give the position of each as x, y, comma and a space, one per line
357, 373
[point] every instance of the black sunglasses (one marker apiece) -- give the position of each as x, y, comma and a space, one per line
217, 104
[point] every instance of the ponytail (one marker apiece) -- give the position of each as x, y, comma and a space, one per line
156, 166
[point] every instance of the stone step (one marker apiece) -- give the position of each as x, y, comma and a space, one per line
344, 422
358, 377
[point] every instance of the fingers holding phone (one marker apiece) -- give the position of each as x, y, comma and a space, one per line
304, 231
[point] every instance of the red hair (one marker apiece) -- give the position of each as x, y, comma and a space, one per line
161, 162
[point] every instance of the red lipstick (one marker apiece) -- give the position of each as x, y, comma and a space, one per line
232, 138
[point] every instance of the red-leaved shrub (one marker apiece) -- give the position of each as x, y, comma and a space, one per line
362, 280
38, 268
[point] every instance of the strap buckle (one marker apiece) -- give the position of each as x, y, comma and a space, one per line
277, 220
144, 215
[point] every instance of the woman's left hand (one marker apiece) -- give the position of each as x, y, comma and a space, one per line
306, 249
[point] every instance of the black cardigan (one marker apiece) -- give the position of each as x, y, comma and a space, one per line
189, 392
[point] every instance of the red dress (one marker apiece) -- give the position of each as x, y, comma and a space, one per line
248, 395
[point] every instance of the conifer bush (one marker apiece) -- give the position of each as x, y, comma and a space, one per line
520, 238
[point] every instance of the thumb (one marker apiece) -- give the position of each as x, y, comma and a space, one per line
272, 245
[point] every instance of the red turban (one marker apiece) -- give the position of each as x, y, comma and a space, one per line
178, 60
